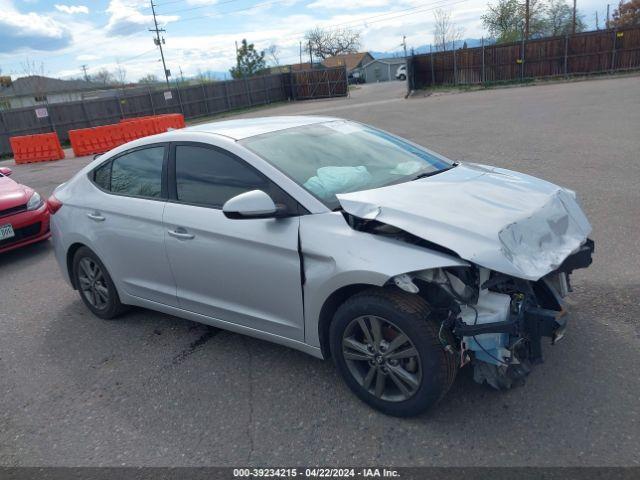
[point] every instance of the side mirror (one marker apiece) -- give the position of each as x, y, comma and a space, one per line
253, 204
6, 171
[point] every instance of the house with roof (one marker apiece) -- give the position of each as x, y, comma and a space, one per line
352, 61
35, 90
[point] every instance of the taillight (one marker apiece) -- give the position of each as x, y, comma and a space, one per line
54, 204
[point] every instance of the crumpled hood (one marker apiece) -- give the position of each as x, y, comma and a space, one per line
12, 194
502, 220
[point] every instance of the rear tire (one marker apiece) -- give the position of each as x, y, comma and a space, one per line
96, 288
416, 372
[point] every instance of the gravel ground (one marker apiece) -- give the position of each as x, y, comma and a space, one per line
150, 389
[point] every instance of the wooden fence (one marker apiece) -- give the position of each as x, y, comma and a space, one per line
193, 101
584, 53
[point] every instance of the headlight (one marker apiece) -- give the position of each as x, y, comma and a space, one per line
34, 202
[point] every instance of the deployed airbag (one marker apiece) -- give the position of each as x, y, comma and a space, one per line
330, 180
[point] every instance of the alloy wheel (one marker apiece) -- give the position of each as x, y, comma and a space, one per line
382, 358
92, 283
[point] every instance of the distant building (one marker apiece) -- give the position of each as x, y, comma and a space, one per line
36, 90
352, 61
294, 67
382, 69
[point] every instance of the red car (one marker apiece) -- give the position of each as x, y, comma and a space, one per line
24, 215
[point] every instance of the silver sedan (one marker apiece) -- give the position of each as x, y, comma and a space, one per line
334, 238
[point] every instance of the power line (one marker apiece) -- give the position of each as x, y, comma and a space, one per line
198, 7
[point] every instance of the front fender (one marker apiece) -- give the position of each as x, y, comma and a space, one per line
335, 256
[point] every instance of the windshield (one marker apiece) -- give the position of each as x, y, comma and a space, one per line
340, 157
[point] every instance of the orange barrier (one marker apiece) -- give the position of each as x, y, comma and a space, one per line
89, 141
43, 147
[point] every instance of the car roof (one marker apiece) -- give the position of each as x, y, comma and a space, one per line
250, 127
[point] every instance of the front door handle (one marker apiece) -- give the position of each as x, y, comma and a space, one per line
95, 216
181, 234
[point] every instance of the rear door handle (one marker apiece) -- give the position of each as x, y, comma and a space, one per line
95, 216
181, 234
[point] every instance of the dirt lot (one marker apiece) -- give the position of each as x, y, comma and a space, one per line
150, 389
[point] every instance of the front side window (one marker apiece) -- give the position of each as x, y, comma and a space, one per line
138, 173
340, 156
210, 177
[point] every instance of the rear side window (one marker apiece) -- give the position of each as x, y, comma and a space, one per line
138, 173
209, 177
102, 176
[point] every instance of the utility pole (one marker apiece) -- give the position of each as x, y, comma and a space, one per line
526, 19
86, 75
310, 55
607, 24
301, 54
597, 23
573, 29
181, 74
158, 42
404, 44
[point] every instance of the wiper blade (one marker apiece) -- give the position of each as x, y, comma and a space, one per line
431, 174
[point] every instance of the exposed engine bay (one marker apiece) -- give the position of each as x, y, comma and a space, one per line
490, 320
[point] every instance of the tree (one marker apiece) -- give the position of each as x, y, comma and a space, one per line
445, 33
505, 20
327, 43
274, 54
249, 61
120, 74
148, 79
627, 13
560, 18
102, 76
31, 68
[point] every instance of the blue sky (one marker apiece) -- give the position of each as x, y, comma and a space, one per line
56, 37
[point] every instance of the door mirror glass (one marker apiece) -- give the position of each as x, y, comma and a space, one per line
6, 171
253, 204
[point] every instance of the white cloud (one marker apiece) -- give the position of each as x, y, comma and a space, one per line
87, 57
202, 2
348, 5
126, 18
72, 9
30, 30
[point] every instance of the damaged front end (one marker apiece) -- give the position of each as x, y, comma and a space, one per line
494, 321
522, 238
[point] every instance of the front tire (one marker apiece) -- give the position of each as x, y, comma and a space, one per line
387, 349
96, 288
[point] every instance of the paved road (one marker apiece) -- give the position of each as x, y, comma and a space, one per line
150, 389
